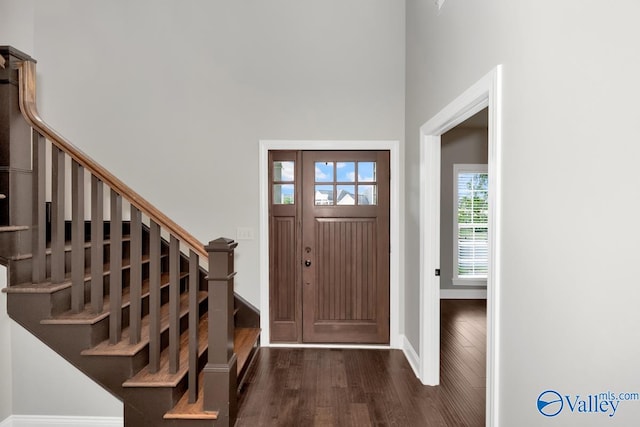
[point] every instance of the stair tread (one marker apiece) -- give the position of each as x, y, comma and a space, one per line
124, 347
243, 343
49, 287
244, 340
163, 378
88, 317
126, 264
87, 244
12, 228
67, 245
37, 288
191, 411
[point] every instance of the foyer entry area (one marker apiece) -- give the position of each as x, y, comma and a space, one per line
346, 387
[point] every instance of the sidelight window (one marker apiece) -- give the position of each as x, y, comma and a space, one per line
284, 182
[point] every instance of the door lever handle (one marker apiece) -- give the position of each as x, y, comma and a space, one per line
307, 263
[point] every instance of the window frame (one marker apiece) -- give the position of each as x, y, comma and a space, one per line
459, 168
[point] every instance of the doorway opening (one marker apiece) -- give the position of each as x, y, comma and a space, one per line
329, 246
393, 149
483, 94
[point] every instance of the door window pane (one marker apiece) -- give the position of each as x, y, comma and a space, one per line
283, 194
324, 195
338, 174
367, 194
366, 171
283, 171
346, 195
346, 171
324, 172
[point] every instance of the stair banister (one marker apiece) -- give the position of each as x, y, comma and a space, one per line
28, 107
221, 367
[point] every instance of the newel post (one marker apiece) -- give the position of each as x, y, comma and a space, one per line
15, 144
220, 373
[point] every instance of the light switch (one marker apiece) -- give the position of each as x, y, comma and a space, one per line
244, 233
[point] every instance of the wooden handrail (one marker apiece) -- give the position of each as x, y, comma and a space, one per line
28, 107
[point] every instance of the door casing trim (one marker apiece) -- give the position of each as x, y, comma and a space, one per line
485, 93
394, 224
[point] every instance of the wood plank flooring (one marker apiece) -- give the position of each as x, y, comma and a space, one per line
322, 387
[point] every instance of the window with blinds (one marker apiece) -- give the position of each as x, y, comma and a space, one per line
471, 243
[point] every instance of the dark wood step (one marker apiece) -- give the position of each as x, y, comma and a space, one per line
67, 245
37, 288
41, 287
244, 345
13, 228
124, 348
192, 411
164, 378
244, 342
88, 317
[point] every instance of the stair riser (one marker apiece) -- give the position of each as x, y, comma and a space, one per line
67, 340
22, 267
101, 328
111, 372
15, 242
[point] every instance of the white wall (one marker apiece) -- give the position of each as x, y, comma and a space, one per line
569, 299
174, 96
16, 24
39, 374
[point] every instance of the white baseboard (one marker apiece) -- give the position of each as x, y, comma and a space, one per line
58, 421
411, 355
463, 294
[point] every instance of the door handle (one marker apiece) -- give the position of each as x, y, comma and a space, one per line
307, 263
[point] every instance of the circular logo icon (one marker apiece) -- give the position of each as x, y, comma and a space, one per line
550, 403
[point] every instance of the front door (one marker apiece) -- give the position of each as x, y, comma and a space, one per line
329, 247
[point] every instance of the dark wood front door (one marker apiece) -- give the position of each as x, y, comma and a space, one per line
329, 248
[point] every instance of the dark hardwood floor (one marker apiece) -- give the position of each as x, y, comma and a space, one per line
321, 387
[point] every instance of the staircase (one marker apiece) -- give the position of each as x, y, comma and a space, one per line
119, 290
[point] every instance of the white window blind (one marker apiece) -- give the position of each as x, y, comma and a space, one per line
471, 244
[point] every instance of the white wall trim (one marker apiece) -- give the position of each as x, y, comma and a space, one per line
329, 346
486, 93
411, 355
396, 306
463, 294
59, 421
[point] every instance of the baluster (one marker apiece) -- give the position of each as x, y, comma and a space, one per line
174, 304
154, 297
135, 282
115, 276
221, 365
39, 233
97, 245
57, 215
194, 319
77, 237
